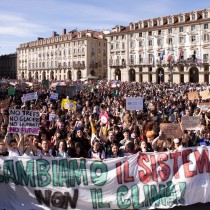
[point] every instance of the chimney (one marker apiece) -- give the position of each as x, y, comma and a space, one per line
64, 31
54, 33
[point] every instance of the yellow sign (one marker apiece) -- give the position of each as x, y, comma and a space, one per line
68, 104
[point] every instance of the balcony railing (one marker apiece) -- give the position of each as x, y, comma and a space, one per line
117, 62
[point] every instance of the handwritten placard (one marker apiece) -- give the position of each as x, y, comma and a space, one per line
191, 122
171, 130
193, 95
205, 94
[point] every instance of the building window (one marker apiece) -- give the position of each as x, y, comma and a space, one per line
140, 34
206, 26
159, 42
123, 36
170, 30
193, 38
150, 58
150, 42
140, 59
159, 32
206, 14
170, 41
181, 19
193, 16
170, 20
181, 40
140, 43
192, 27
205, 57
181, 29
150, 24
132, 44
132, 59
150, 33
206, 37
131, 35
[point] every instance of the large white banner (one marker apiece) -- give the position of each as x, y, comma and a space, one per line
24, 121
141, 181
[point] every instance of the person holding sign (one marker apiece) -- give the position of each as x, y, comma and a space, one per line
13, 145
3, 149
44, 151
176, 145
27, 146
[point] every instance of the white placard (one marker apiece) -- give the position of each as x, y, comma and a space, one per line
29, 97
24, 121
54, 96
134, 103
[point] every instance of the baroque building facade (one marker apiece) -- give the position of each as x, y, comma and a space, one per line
8, 66
170, 48
69, 56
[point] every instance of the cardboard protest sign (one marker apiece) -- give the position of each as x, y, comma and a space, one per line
171, 130
29, 97
5, 103
205, 94
204, 106
11, 91
24, 122
134, 103
193, 95
53, 96
191, 122
68, 104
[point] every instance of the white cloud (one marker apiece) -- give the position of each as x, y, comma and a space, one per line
16, 25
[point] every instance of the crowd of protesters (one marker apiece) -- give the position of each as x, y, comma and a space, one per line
80, 133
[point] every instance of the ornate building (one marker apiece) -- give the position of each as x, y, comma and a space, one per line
171, 48
70, 56
8, 66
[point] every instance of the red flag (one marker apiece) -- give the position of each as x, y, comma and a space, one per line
169, 57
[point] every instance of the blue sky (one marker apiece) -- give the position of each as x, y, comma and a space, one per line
22, 21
